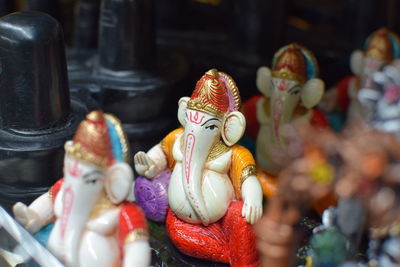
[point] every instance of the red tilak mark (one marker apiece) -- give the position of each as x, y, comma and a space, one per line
68, 200
282, 86
75, 170
195, 119
190, 142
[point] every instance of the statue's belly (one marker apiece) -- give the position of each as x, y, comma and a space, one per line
54, 244
178, 202
98, 250
94, 249
217, 191
263, 155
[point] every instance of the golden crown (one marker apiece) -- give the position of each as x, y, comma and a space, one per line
91, 141
216, 93
379, 45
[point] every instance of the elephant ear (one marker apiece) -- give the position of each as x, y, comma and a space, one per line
233, 128
357, 62
312, 92
263, 80
118, 183
182, 103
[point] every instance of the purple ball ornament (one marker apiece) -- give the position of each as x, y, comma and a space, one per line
152, 195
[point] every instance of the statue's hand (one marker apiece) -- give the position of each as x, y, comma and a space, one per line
137, 254
144, 165
252, 196
27, 217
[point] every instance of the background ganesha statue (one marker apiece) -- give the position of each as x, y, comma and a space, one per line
381, 47
214, 195
94, 225
290, 90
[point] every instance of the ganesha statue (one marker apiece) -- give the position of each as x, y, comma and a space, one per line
289, 92
94, 224
381, 48
214, 195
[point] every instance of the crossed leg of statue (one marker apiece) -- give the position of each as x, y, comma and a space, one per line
230, 240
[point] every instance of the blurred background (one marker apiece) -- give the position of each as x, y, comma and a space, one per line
238, 34
136, 58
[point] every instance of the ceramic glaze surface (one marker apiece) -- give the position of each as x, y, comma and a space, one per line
94, 224
214, 195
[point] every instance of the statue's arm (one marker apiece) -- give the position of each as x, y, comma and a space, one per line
133, 236
252, 197
137, 253
158, 158
152, 163
246, 184
40, 212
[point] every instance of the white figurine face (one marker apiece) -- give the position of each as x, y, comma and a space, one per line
88, 176
201, 129
83, 183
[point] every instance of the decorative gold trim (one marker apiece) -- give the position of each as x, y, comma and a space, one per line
218, 149
288, 75
137, 234
77, 151
102, 205
213, 73
196, 104
380, 46
50, 194
247, 171
122, 136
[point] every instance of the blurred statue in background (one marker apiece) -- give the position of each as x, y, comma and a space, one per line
381, 48
94, 225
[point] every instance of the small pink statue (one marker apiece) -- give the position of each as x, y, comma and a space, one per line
214, 195
94, 225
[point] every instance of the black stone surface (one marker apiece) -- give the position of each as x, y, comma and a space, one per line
37, 114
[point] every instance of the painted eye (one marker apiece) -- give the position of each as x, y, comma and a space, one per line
91, 181
212, 127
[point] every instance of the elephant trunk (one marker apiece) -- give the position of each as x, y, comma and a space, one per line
282, 110
74, 215
195, 156
277, 116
